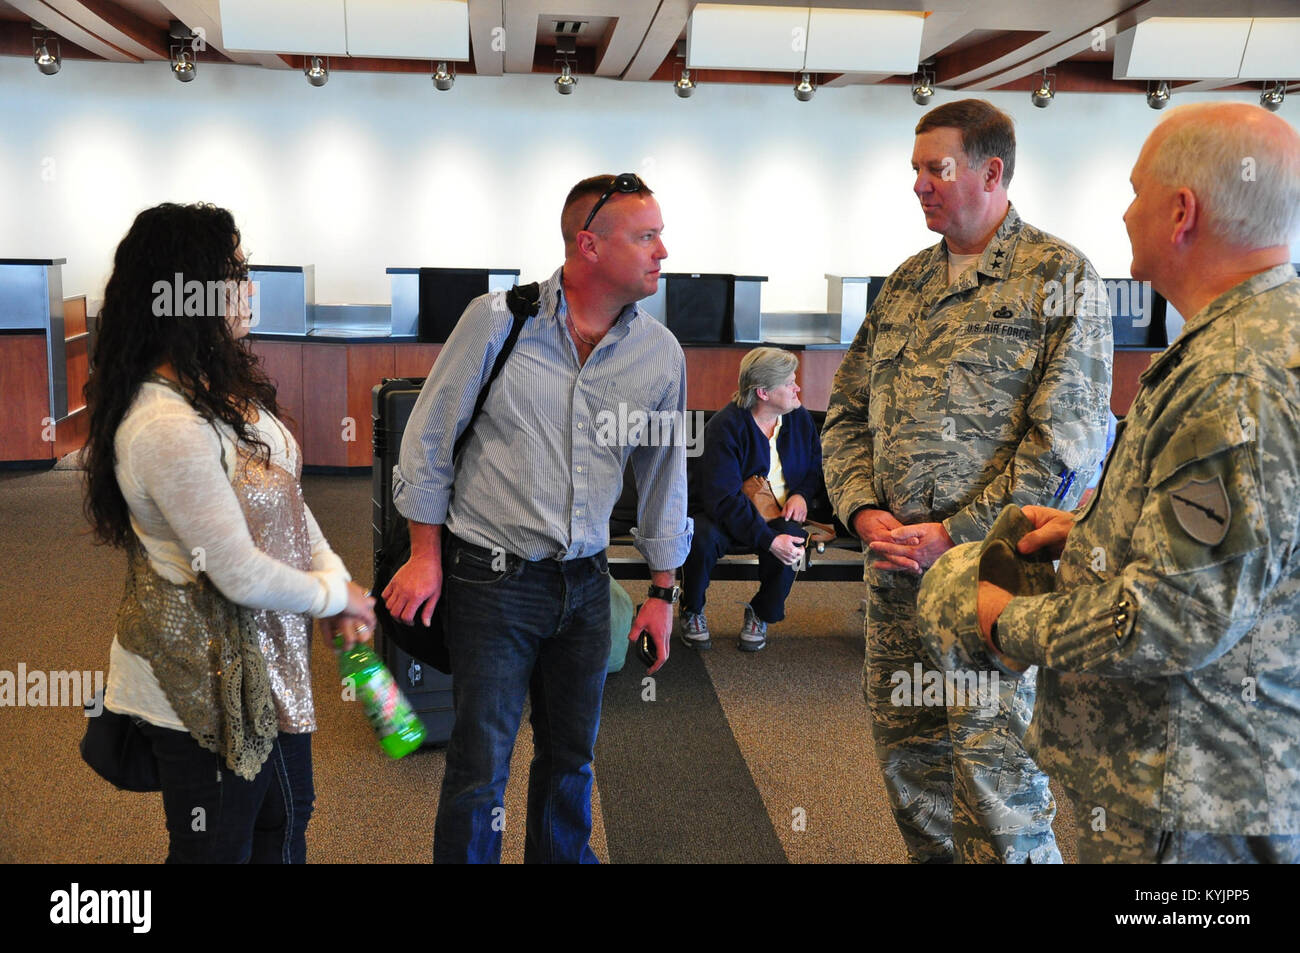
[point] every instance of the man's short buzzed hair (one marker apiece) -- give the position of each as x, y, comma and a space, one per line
582, 197
986, 131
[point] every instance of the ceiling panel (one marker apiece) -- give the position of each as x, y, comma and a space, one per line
421, 29
286, 26
747, 37
1273, 50
1182, 48
863, 41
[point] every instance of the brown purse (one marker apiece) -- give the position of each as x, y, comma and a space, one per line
759, 492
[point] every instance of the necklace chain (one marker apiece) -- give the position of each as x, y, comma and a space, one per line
587, 341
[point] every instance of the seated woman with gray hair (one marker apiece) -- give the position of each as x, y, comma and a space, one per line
763, 432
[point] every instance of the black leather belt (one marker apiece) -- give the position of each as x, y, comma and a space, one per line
598, 561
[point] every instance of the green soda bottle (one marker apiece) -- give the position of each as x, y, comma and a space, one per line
399, 729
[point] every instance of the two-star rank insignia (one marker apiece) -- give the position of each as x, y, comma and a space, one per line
1202, 510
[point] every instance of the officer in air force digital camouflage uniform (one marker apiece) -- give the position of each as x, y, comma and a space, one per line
980, 378
1169, 653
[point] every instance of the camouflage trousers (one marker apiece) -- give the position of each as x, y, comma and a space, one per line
1106, 838
961, 786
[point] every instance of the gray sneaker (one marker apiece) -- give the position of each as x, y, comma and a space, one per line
753, 634
695, 630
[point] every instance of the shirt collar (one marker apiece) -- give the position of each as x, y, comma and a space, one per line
554, 303
1235, 296
995, 261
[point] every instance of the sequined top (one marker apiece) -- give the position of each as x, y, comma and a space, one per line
192, 516
277, 519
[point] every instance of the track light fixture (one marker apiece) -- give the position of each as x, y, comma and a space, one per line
182, 51
565, 46
1042, 97
684, 85
565, 82
1272, 96
922, 87
183, 64
804, 89
47, 62
1158, 96
317, 71
443, 79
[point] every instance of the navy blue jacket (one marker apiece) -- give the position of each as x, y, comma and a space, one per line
735, 450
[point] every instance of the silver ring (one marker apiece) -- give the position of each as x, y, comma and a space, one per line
363, 628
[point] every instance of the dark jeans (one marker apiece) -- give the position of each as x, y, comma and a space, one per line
710, 543
216, 817
525, 628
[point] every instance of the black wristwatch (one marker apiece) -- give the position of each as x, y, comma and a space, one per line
669, 596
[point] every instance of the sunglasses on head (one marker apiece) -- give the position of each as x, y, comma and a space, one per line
628, 182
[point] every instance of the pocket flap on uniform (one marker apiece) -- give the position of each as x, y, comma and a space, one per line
888, 346
1002, 352
1211, 435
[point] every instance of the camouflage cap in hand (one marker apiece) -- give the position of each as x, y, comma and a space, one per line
947, 620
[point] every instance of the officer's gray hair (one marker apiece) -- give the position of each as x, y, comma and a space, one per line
765, 367
1247, 182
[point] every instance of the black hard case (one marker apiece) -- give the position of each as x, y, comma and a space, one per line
428, 689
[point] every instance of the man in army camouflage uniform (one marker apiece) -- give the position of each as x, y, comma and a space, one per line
1169, 702
980, 378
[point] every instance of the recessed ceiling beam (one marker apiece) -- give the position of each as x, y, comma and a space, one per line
620, 45
116, 25
660, 40
69, 29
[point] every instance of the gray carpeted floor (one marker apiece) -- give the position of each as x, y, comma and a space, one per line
785, 730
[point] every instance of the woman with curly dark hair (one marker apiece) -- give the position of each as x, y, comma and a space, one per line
190, 471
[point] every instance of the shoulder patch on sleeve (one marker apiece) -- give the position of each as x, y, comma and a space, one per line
1202, 509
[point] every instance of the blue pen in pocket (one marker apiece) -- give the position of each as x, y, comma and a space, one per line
1067, 481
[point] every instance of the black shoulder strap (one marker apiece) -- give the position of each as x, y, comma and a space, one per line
524, 301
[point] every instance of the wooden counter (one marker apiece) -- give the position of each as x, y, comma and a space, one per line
325, 386
324, 389
29, 433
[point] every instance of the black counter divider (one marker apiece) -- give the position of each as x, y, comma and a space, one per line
707, 309
444, 295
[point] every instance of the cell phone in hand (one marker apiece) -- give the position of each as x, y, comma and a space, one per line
647, 650
645, 647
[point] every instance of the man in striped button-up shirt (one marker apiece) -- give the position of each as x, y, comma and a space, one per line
524, 569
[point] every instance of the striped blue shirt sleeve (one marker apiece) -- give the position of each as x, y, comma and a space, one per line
663, 531
423, 476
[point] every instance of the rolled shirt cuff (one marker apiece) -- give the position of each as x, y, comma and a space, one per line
418, 503
664, 553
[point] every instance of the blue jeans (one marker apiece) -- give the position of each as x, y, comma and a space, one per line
539, 628
710, 543
216, 817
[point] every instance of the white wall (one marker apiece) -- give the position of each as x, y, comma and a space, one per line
374, 170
